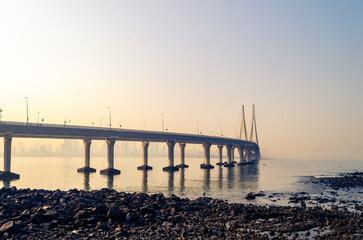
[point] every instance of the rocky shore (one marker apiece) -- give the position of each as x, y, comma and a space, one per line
108, 214
344, 181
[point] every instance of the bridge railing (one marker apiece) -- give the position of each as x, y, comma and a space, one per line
71, 126
90, 127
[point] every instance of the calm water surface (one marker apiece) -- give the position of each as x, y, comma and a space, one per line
271, 175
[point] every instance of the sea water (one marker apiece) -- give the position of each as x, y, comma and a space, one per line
269, 175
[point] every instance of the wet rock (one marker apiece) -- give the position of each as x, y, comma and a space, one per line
250, 196
147, 210
8, 226
37, 218
81, 214
345, 181
115, 213
260, 194
99, 209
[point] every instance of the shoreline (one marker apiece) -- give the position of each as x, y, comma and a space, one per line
108, 214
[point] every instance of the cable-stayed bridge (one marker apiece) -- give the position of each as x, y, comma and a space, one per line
247, 149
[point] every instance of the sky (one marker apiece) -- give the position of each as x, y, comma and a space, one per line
299, 62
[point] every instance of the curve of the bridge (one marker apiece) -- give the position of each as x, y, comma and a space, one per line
33, 130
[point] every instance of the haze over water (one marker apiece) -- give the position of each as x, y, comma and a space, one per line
194, 62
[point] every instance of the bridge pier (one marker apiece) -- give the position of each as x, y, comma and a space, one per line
110, 154
171, 167
206, 164
241, 149
253, 155
87, 153
255, 152
220, 154
232, 154
6, 174
182, 156
229, 156
145, 145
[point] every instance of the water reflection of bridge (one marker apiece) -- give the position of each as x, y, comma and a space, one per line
240, 178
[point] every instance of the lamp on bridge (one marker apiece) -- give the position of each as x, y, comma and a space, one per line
110, 115
27, 110
162, 115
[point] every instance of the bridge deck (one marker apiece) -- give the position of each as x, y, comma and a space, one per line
33, 130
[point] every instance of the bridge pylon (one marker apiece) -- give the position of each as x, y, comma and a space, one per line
253, 126
243, 128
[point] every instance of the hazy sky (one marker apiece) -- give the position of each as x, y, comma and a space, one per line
299, 62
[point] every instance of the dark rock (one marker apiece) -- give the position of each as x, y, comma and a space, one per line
99, 209
81, 214
260, 194
250, 196
37, 218
147, 210
8, 226
115, 214
51, 215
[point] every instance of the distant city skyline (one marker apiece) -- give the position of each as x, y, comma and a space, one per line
189, 66
74, 148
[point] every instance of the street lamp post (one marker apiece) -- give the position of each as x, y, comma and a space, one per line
101, 122
27, 111
197, 126
38, 117
110, 115
162, 115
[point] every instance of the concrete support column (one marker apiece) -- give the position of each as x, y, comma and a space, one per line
87, 155
256, 153
206, 164
253, 155
182, 156
220, 155
241, 149
229, 156
145, 146
7, 175
7, 152
171, 167
110, 154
